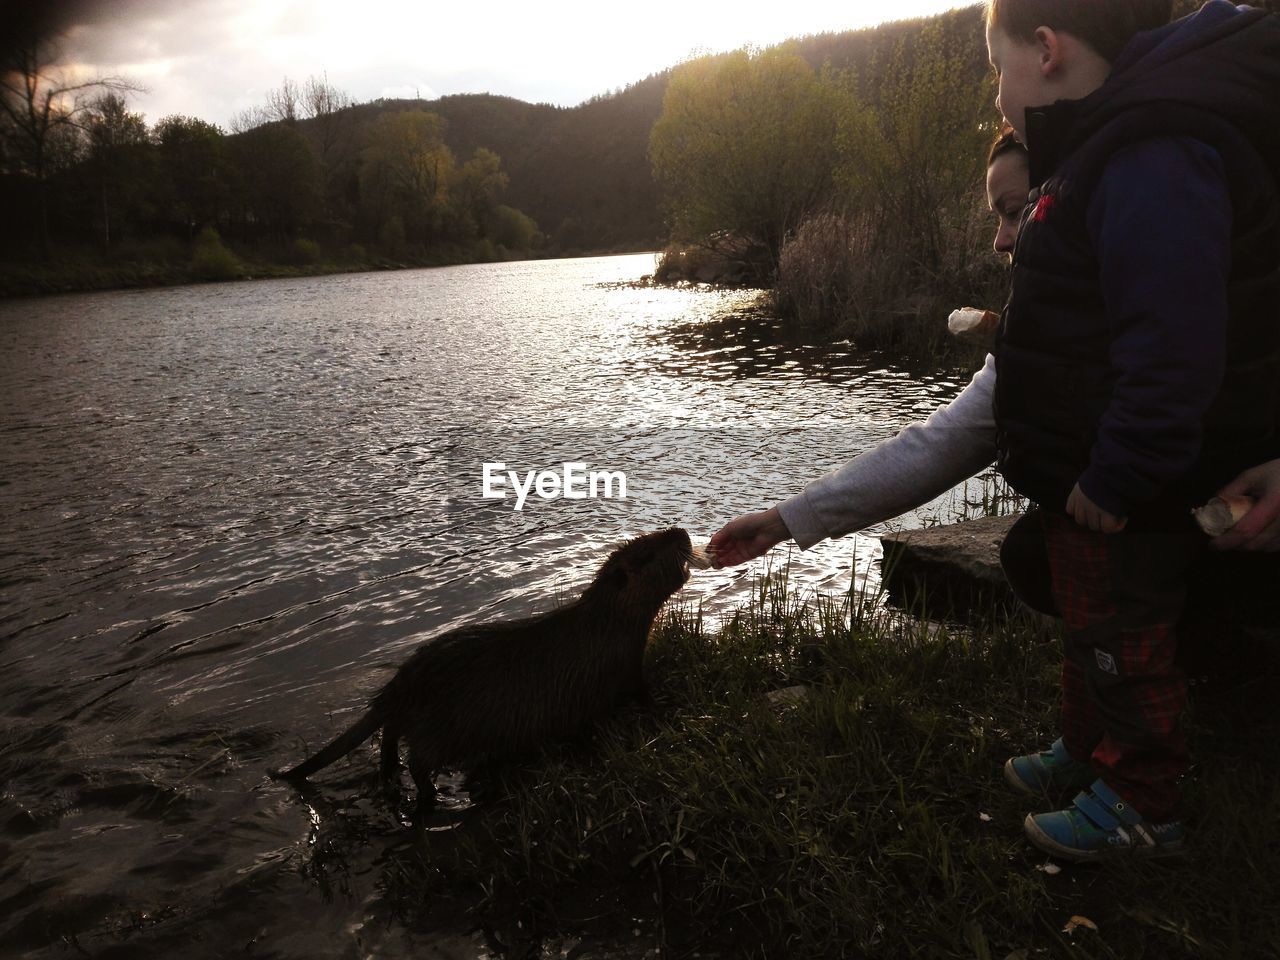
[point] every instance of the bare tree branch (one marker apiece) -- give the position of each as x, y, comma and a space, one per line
38, 102
282, 104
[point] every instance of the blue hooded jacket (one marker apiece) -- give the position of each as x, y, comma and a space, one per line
1139, 353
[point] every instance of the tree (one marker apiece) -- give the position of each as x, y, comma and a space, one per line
407, 169
279, 178
118, 157
332, 131
745, 146
39, 105
513, 230
281, 107
250, 118
912, 151
282, 104
193, 171
476, 187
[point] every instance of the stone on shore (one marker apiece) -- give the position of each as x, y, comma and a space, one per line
951, 571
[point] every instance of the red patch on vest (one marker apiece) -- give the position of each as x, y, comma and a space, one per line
1043, 206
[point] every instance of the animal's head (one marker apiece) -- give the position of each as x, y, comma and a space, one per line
644, 572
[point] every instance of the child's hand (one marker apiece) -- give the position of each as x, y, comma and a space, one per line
751, 535
1089, 514
1259, 529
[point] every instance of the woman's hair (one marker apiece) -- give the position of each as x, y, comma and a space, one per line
1004, 143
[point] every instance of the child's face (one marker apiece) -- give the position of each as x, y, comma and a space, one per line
1020, 72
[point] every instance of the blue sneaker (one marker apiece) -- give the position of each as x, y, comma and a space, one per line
1051, 772
1099, 824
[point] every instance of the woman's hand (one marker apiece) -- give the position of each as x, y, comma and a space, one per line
749, 536
1259, 529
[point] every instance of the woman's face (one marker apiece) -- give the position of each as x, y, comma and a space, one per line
1008, 183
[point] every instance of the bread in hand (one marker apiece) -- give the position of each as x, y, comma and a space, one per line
972, 323
1221, 514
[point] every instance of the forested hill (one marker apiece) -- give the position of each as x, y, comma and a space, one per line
583, 172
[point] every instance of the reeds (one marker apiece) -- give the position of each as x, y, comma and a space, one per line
844, 275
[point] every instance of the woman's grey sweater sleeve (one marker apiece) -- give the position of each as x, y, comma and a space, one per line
922, 462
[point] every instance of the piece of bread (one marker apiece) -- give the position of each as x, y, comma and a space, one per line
702, 558
1221, 514
972, 323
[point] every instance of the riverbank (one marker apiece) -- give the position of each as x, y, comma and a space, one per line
85, 274
863, 815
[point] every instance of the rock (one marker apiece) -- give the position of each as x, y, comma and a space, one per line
787, 696
950, 571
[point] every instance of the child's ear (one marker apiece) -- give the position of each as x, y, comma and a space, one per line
1049, 45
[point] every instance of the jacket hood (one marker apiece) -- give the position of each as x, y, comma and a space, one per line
1221, 62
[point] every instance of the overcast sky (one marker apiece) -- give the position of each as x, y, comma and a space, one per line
213, 58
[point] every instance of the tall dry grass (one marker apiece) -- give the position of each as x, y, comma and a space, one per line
849, 275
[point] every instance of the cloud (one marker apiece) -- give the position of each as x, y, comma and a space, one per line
213, 58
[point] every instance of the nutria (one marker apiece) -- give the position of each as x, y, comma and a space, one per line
505, 688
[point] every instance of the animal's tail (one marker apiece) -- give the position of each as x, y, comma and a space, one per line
357, 734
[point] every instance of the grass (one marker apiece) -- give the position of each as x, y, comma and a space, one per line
865, 819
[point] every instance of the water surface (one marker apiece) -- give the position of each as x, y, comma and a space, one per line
229, 509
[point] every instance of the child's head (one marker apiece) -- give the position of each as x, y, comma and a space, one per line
1008, 182
1048, 50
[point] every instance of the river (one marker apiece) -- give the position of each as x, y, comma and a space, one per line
228, 509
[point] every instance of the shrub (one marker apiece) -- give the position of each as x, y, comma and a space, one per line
720, 259
514, 230
212, 261
676, 263
825, 273
839, 276
304, 251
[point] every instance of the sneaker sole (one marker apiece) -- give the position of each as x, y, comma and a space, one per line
1011, 777
1051, 846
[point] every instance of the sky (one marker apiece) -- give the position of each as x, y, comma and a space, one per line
214, 58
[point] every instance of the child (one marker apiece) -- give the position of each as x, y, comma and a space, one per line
1137, 362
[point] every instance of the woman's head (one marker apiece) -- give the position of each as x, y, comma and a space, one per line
1008, 182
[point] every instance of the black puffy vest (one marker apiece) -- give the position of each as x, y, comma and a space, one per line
1053, 380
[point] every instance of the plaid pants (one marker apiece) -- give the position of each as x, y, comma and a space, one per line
1120, 597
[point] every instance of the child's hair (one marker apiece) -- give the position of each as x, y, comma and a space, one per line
1105, 25
1005, 142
